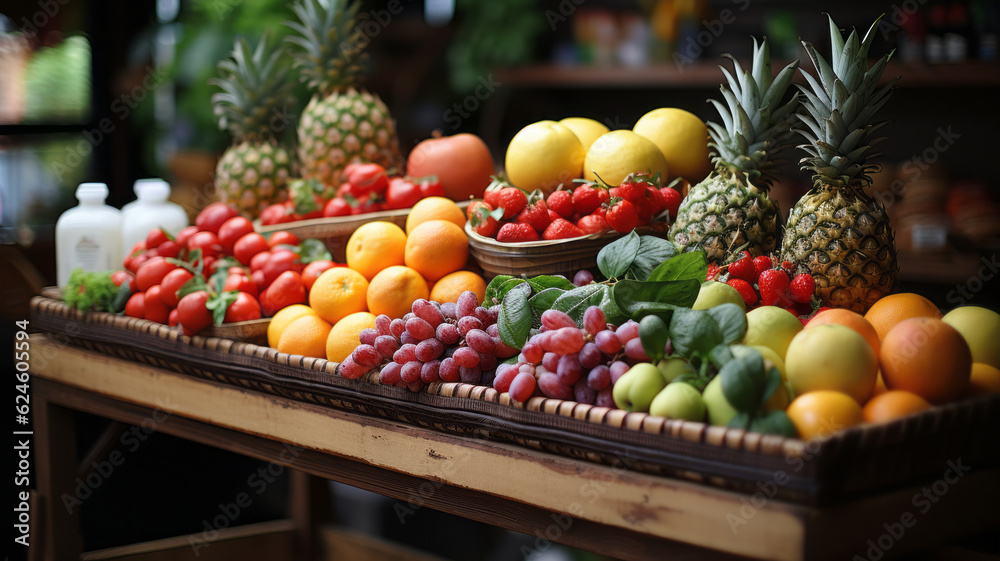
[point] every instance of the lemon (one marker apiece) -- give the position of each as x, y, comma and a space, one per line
346, 335
681, 137
616, 154
544, 155
587, 130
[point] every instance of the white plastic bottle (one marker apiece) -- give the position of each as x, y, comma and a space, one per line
151, 210
88, 235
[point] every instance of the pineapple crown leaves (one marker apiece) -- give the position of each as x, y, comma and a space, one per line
255, 86
327, 43
839, 107
755, 123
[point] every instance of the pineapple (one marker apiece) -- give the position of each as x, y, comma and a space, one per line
340, 124
730, 210
254, 172
836, 231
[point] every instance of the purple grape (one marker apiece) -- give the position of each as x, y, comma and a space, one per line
486, 379
493, 330
448, 371
605, 399
554, 319
607, 342
634, 350
415, 386
447, 333
599, 377
429, 371
367, 336
390, 374
386, 345
569, 369
552, 386
470, 375
590, 356
487, 361
448, 310
407, 338
618, 369
466, 304
479, 341
593, 320
366, 355
522, 387
583, 393
583, 277
428, 349
411, 371
419, 328
466, 357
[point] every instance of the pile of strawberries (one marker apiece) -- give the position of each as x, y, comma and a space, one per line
511, 215
760, 283
369, 188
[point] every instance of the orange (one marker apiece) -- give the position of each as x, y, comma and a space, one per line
892, 405
823, 412
985, 379
375, 246
850, 319
346, 335
894, 308
281, 320
436, 248
928, 357
393, 291
338, 292
434, 208
305, 336
879, 385
450, 286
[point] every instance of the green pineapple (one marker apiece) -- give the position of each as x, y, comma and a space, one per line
836, 231
340, 124
730, 209
254, 172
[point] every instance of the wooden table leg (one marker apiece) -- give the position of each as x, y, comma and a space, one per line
310, 507
55, 455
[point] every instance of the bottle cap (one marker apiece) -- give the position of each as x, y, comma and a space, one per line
92, 192
154, 190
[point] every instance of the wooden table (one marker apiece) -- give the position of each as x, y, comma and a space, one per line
600, 508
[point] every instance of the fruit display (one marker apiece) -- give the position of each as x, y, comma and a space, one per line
836, 232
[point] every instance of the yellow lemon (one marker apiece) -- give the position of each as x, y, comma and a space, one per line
544, 155
616, 154
346, 335
587, 130
681, 137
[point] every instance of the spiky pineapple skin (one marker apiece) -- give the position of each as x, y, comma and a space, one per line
725, 212
345, 127
252, 176
844, 240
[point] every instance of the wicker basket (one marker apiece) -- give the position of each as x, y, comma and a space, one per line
557, 257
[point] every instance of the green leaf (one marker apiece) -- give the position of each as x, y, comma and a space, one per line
732, 320
514, 321
219, 303
694, 331
575, 302
508, 285
653, 251
691, 265
740, 421
742, 381
492, 295
311, 249
720, 355
543, 300
542, 282
194, 284
615, 258
653, 333
640, 298
774, 422
771, 382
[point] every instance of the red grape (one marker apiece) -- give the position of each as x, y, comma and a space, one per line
505, 375
593, 320
634, 350
397, 327
582, 392
405, 354
447, 333
501, 349
466, 357
605, 398
552, 386
487, 361
448, 371
568, 369
470, 375
427, 312
532, 353
607, 342
390, 374
590, 356
567, 340
467, 324
478, 340
411, 371
429, 371
386, 345
368, 336
583, 277
448, 310
407, 338
428, 349
466, 304
382, 323
554, 319
628, 331
550, 361
618, 369
366, 355
599, 377
522, 387
419, 328
351, 370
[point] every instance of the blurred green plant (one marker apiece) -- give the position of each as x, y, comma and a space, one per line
492, 35
57, 82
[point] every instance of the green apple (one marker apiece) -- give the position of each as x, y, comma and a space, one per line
678, 401
981, 329
772, 327
720, 412
832, 357
714, 293
635, 390
671, 368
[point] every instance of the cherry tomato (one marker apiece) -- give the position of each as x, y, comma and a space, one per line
281, 260
232, 230
258, 261
152, 272
431, 187
273, 214
193, 312
156, 309
249, 245
234, 270
185, 234
286, 290
136, 251
402, 193
207, 242
349, 168
314, 270
155, 237
136, 305
168, 249
119, 277
317, 212
208, 266
240, 282
212, 217
258, 280
171, 283
368, 178
173, 318
336, 207
367, 204
136, 262
244, 308
282, 237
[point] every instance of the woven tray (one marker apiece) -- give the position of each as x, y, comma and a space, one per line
853, 462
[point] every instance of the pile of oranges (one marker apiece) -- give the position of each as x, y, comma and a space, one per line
387, 269
924, 359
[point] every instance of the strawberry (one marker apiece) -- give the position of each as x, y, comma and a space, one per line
483, 218
492, 190
745, 289
787, 266
802, 288
622, 216
743, 268
561, 202
632, 188
553, 215
536, 213
773, 285
593, 224
671, 201
514, 232
713, 271
562, 229
512, 200
761, 263
588, 197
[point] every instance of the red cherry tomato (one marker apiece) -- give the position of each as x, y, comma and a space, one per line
172, 319
431, 187
208, 267
273, 214
136, 262
207, 242
258, 261
155, 237
119, 277
281, 260
349, 169
212, 217
156, 309
368, 178
336, 207
286, 290
193, 312
258, 280
232, 230
184, 235
136, 305
402, 193
244, 308
282, 237
240, 282
249, 245
152, 272
236, 270
314, 270
171, 283
168, 249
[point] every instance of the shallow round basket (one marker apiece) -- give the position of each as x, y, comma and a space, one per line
557, 257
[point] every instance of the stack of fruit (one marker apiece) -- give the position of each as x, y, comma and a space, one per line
757, 282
